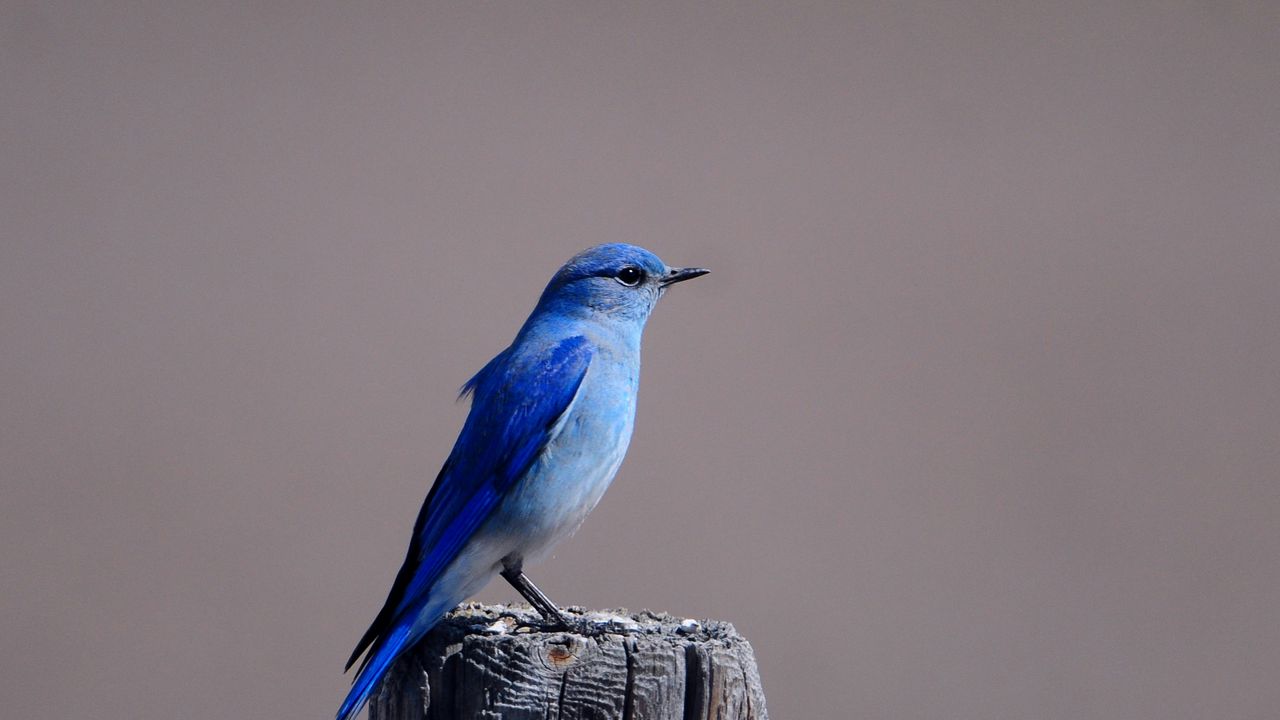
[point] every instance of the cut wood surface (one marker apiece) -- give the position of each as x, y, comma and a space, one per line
498, 661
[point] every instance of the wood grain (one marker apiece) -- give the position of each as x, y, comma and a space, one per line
495, 661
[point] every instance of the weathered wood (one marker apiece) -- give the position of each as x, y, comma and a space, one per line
486, 662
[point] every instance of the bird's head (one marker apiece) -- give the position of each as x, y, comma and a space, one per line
616, 280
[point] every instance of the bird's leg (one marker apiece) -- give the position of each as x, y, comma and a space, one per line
513, 574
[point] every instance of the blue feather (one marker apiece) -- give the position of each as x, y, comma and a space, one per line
518, 398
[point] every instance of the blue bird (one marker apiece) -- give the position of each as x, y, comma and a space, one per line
550, 420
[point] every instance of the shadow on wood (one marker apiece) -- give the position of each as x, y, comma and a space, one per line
497, 661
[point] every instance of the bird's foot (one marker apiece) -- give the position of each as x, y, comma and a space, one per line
554, 620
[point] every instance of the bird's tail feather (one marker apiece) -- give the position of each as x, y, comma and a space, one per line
375, 666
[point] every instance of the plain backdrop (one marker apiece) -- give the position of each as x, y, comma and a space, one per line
978, 415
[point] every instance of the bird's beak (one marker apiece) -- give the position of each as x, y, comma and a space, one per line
675, 275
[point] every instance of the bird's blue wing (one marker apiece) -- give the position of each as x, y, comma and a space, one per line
517, 399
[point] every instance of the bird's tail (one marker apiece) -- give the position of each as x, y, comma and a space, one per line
380, 658
404, 631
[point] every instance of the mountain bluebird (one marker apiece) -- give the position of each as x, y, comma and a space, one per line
550, 420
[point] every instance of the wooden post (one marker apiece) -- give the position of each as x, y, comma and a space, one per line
497, 661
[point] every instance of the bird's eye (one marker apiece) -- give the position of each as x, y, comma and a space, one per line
630, 276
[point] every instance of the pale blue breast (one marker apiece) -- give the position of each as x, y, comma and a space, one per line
567, 481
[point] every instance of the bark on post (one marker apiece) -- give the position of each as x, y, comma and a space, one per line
495, 661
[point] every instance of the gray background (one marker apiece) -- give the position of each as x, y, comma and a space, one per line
977, 417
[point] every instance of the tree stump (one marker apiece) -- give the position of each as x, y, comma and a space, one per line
495, 661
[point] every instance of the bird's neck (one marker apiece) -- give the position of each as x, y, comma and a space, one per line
607, 332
